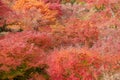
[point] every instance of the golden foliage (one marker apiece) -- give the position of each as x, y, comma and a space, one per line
43, 9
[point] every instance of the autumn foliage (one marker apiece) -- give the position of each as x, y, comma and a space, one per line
75, 64
59, 39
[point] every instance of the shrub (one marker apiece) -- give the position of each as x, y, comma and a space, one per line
3, 12
74, 64
75, 32
22, 52
32, 14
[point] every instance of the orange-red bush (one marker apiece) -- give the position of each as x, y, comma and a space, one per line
23, 48
74, 64
75, 32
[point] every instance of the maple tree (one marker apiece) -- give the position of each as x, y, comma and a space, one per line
59, 39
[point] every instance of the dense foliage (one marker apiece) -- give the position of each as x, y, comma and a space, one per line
59, 40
